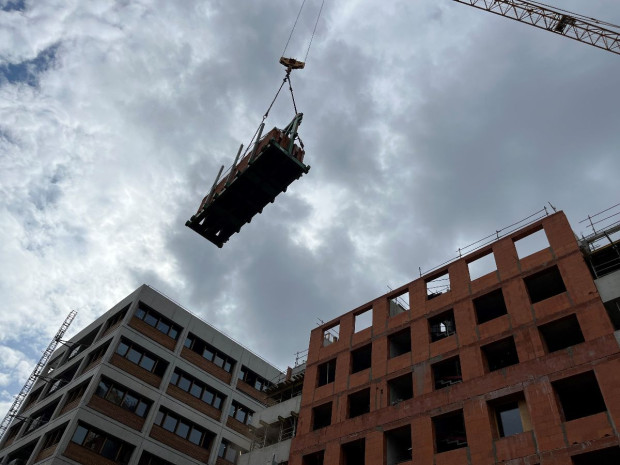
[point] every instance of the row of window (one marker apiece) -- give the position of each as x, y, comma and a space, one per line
540, 286
157, 321
210, 353
197, 388
141, 357
184, 428
257, 382
556, 335
123, 397
578, 396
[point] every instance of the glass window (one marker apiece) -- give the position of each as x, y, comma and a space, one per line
174, 334
142, 409
258, 385
207, 396
158, 418
222, 450
195, 436
79, 435
231, 455
93, 441
115, 395
188, 343
110, 448
134, 356
170, 423
208, 354
240, 416
163, 327
147, 363
102, 388
175, 378
122, 349
196, 391
130, 402
218, 402
183, 429
219, 361
185, 383
150, 320
140, 313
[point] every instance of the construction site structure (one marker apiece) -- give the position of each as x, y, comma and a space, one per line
589, 31
19, 399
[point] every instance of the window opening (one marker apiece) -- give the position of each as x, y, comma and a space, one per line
442, 325
562, 333
437, 285
490, 306
210, 353
240, 412
53, 437
449, 431
482, 266
363, 320
359, 403
81, 345
447, 372
511, 415
183, 428
76, 394
608, 456
102, 443
197, 388
115, 319
63, 379
315, 458
361, 358
531, 243
257, 382
545, 284
354, 453
321, 416
149, 459
32, 399
400, 389
55, 363
613, 310
229, 451
21, 455
97, 354
500, 354
579, 396
157, 321
331, 334
40, 418
399, 304
399, 343
326, 372
141, 357
123, 397
398, 445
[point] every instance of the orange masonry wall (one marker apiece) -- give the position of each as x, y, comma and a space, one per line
551, 440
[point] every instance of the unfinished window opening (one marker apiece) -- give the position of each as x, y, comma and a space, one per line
326, 372
531, 243
608, 456
83, 344
562, 333
115, 320
400, 389
449, 431
398, 445
606, 259
510, 415
500, 354
149, 459
321, 416
613, 310
399, 304
545, 284
331, 334
21, 455
63, 379
447, 372
399, 343
40, 418
53, 437
437, 285
579, 396
361, 358
32, 399
363, 320
482, 266
354, 453
55, 363
359, 403
442, 325
490, 306
315, 458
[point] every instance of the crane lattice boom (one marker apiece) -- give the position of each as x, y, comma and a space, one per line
586, 30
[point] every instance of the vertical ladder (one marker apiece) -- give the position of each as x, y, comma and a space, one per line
19, 399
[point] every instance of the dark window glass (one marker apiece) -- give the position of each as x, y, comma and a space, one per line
102, 388
158, 418
228, 366
110, 448
175, 378
122, 349
183, 429
134, 356
140, 313
218, 402
147, 363
207, 396
188, 343
185, 383
150, 320
195, 436
196, 391
79, 435
115, 395
240, 415
130, 402
219, 361
170, 423
94, 441
207, 354
231, 455
142, 409
174, 334
163, 327
509, 419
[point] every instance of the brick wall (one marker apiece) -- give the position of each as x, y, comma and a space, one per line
549, 440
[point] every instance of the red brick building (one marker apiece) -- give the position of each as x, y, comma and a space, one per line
518, 366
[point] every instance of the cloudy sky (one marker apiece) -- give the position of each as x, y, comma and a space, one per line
428, 124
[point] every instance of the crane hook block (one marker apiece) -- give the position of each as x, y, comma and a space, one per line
291, 63
267, 169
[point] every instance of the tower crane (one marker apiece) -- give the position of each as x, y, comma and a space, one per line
587, 30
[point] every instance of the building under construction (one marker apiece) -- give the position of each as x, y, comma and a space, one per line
501, 356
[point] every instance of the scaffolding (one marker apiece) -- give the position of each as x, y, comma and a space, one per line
19, 399
601, 247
